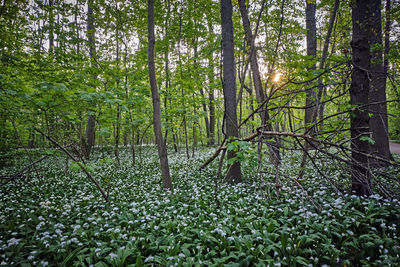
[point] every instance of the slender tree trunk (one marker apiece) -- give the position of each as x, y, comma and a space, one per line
321, 89
253, 55
359, 89
162, 150
118, 123
211, 99
211, 106
181, 78
234, 174
167, 81
129, 108
378, 122
117, 135
51, 27
255, 71
77, 26
206, 121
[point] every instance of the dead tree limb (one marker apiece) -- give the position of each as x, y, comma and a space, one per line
20, 173
312, 139
77, 162
215, 155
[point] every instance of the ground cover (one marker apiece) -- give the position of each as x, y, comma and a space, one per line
60, 219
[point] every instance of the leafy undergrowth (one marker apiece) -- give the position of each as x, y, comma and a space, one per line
60, 219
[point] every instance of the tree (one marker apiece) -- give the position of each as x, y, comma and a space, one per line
377, 95
234, 174
311, 96
359, 90
91, 121
255, 70
162, 149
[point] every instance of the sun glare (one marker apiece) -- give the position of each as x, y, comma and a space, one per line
277, 77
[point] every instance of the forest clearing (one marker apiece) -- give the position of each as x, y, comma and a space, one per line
199, 133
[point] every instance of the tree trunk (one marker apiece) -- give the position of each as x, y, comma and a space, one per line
51, 27
162, 150
274, 152
311, 96
211, 141
181, 78
91, 122
379, 121
76, 12
211, 107
321, 89
118, 123
117, 135
234, 174
359, 90
167, 80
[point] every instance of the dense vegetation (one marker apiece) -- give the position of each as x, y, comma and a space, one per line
197, 133
60, 219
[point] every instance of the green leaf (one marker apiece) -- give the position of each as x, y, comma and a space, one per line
368, 139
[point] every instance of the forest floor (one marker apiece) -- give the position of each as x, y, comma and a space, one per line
60, 219
394, 147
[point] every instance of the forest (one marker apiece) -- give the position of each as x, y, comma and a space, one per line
200, 133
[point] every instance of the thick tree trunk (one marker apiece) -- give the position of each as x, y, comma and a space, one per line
359, 90
234, 174
89, 139
379, 121
162, 150
311, 96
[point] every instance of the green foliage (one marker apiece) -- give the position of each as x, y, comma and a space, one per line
368, 139
66, 222
244, 151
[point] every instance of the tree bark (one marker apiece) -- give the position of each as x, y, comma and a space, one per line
311, 96
359, 90
234, 174
162, 150
91, 122
379, 121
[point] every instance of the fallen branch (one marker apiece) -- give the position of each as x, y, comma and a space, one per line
77, 162
21, 172
215, 155
310, 139
222, 147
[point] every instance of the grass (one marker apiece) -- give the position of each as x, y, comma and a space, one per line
61, 220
